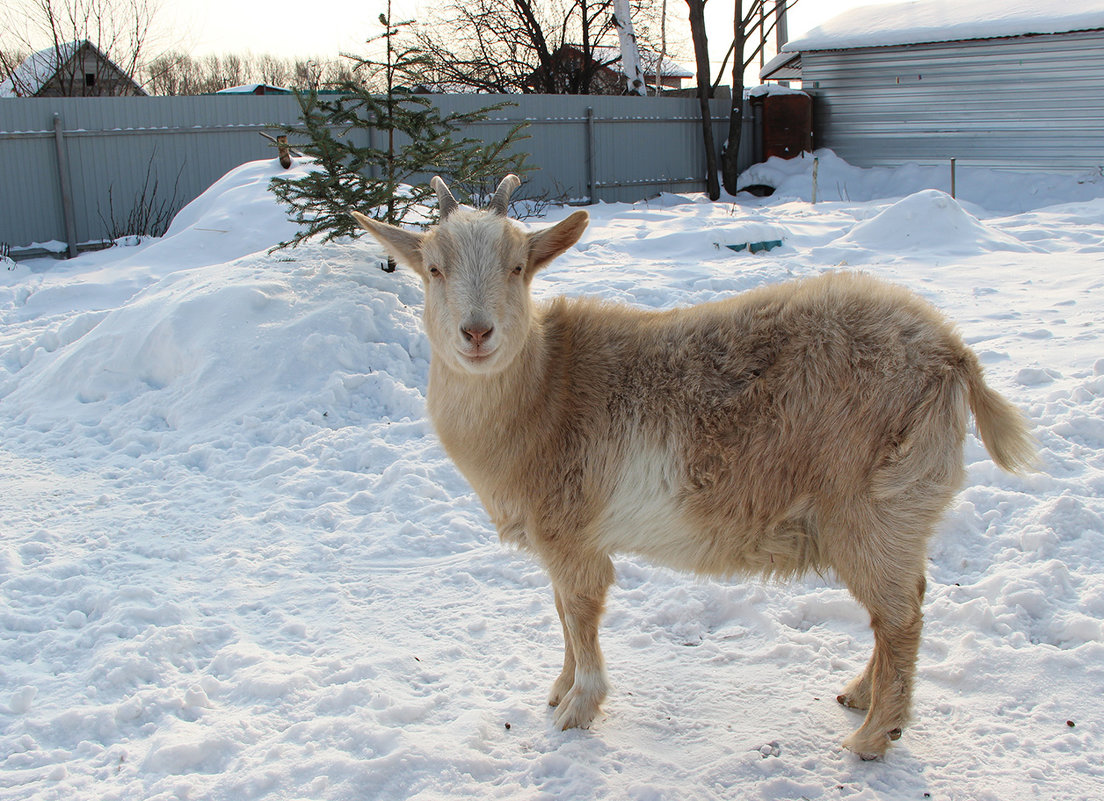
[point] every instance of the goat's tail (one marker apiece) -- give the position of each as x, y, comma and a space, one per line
1002, 427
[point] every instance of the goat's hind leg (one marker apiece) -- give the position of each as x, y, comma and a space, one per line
856, 695
893, 667
885, 573
580, 599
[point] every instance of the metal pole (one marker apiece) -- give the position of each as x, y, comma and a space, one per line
591, 188
781, 32
952, 177
66, 186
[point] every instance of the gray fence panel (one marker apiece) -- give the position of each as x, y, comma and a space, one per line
181, 145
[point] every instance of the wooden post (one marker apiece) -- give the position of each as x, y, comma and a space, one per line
285, 154
66, 185
952, 177
816, 166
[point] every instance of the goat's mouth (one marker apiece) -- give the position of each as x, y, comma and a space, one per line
481, 356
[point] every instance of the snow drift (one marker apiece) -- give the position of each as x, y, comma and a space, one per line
235, 563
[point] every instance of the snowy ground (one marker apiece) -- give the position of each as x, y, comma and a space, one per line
236, 564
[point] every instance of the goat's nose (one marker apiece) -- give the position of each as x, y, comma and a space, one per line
477, 333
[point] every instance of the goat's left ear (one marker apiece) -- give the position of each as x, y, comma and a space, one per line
405, 246
546, 245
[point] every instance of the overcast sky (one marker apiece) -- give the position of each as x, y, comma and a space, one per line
329, 27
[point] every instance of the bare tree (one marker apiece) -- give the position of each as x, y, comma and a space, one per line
177, 73
272, 70
755, 24
701, 58
122, 30
753, 27
661, 57
523, 46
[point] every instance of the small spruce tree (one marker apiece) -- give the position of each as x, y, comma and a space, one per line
374, 151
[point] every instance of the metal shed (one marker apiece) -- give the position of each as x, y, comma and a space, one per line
996, 83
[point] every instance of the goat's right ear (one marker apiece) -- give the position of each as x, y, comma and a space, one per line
546, 245
405, 246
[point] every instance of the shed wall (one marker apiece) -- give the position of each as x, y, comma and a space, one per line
1028, 102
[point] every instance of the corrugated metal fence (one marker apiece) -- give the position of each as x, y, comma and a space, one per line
585, 148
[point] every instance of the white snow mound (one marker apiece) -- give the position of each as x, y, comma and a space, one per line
928, 220
235, 217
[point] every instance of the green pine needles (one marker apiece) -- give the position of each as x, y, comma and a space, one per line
375, 151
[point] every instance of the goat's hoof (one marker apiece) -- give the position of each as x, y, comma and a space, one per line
856, 695
865, 747
577, 710
852, 701
561, 688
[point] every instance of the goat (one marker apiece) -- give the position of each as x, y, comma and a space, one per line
813, 425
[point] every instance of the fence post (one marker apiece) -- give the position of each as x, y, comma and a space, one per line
66, 186
591, 188
952, 177
373, 170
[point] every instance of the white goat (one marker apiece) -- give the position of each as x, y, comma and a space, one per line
813, 425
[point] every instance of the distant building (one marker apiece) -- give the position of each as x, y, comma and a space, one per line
254, 89
608, 77
997, 83
73, 69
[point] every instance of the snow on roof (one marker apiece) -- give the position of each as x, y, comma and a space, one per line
772, 89
947, 21
254, 89
36, 69
784, 66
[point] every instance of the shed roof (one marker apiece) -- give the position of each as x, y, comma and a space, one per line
922, 21
783, 67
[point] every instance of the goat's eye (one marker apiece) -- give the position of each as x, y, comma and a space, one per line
434, 271
517, 270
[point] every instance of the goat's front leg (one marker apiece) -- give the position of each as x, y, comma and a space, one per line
567, 676
580, 587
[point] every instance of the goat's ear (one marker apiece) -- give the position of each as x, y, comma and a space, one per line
546, 245
405, 246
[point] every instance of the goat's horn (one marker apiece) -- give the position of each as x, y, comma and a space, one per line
446, 203
501, 199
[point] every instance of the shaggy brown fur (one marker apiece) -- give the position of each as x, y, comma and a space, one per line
812, 425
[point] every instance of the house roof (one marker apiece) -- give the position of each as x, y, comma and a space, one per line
923, 21
254, 89
648, 61
28, 79
36, 69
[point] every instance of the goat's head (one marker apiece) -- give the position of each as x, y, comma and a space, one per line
477, 266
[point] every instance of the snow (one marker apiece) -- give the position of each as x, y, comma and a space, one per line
252, 89
947, 21
981, 189
765, 89
236, 563
36, 69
